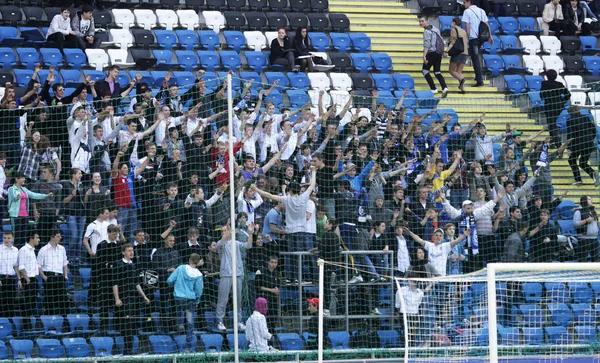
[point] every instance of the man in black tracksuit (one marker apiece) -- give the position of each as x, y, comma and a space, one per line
165, 260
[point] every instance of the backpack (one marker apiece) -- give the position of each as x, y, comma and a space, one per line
483, 30
439, 43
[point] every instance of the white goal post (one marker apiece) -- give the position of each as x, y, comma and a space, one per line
493, 269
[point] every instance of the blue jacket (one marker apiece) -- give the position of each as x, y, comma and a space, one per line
356, 181
188, 282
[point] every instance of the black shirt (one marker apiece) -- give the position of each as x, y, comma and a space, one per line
329, 248
126, 277
270, 280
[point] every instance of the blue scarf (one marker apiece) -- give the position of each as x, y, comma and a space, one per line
542, 161
472, 240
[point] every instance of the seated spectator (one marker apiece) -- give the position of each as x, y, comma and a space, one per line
302, 48
282, 52
84, 28
61, 33
257, 332
575, 16
553, 19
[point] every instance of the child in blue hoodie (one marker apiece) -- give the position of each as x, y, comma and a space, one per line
189, 283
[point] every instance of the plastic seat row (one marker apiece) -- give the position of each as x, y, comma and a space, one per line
274, 20
306, 6
579, 292
583, 334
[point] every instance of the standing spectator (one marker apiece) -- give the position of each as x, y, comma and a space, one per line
583, 132
85, 29
46, 211
555, 95
586, 224
18, 208
125, 287
472, 17
188, 285
60, 31
257, 332
247, 202
96, 232
73, 207
96, 197
295, 222
408, 302
484, 143
514, 245
457, 62
29, 270
165, 260
226, 273
543, 239
433, 50
191, 246
110, 86
9, 270
553, 19
267, 286
54, 270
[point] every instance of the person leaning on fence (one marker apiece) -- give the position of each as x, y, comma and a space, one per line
433, 50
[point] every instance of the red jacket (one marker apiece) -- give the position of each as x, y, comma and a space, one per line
223, 178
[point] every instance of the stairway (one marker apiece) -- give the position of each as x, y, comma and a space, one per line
394, 28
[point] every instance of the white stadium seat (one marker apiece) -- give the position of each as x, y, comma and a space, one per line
167, 19
255, 40
189, 19
119, 57
534, 64
123, 18
553, 62
341, 81
319, 81
314, 98
531, 44
145, 18
270, 36
550, 44
122, 38
97, 58
214, 20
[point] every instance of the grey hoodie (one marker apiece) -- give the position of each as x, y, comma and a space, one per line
429, 38
76, 26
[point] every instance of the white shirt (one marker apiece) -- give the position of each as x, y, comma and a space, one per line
28, 261
402, 254
243, 206
161, 131
473, 16
52, 259
311, 223
2, 180
9, 258
438, 255
96, 232
412, 300
257, 333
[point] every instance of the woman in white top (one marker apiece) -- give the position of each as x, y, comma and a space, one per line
257, 332
60, 31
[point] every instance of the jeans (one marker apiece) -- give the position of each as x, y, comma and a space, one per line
186, 313
299, 242
128, 219
474, 47
76, 230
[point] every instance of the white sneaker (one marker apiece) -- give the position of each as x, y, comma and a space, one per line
596, 178
376, 311
241, 326
356, 279
434, 91
444, 92
577, 183
221, 326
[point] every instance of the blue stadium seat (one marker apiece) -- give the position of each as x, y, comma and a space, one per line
75, 58
509, 336
535, 101
33, 37
560, 314
389, 339
512, 64
592, 64
71, 77
510, 44
6, 329
242, 342
527, 26
9, 38
492, 48
43, 74
8, 58
534, 83
53, 324
362, 62
123, 79
494, 25
20, 332
275, 97
273, 76
508, 25
290, 341
452, 116
256, 60
3, 351
212, 342
164, 58
230, 59
319, 41
383, 82
256, 85
235, 81
181, 341
103, 346
583, 314
515, 83
580, 292
162, 344
235, 40
81, 300
445, 24
360, 42
50, 348
429, 119
532, 292
79, 324
586, 334
211, 81
96, 75
297, 97
382, 62
566, 226
596, 289
187, 59
533, 336
76, 347
51, 57
209, 39
209, 60
425, 99
166, 39
299, 80
483, 337
188, 39
557, 292
120, 343
493, 64
28, 57
387, 98
557, 335
403, 81
565, 210
339, 339
184, 78
21, 348
341, 42
589, 44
